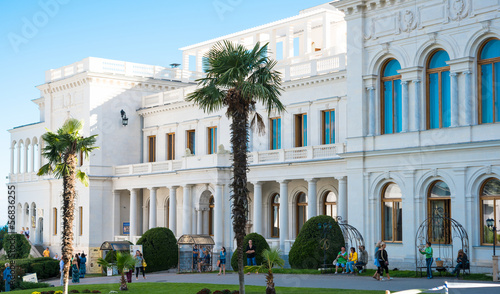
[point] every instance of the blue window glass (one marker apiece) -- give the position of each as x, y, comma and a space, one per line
490, 82
304, 128
275, 133
329, 127
439, 59
392, 119
212, 137
301, 130
446, 99
439, 89
434, 100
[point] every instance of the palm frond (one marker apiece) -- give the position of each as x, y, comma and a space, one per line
82, 177
258, 123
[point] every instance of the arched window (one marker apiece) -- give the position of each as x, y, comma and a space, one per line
439, 198
392, 213
275, 216
490, 208
211, 216
391, 111
330, 204
301, 212
489, 85
438, 91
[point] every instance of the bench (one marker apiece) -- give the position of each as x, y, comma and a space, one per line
440, 269
325, 268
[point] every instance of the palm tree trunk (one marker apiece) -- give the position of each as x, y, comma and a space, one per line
123, 282
68, 210
239, 110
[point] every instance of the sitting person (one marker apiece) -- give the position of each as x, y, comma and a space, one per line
462, 262
204, 259
341, 260
362, 258
353, 258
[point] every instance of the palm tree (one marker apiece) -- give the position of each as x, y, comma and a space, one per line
272, 258
236, 79
61, 152
123, 261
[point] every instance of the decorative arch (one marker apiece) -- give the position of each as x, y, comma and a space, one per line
378, 60
424, 182
381, 180
478, 38
322, 194
474, 182
444, 43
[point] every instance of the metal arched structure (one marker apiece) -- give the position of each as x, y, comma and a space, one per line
352, 237
451, 236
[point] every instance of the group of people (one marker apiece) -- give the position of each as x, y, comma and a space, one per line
462, 261
25, 232
347, 262
77, 269
201, 257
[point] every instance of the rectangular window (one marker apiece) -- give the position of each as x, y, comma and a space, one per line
212, 140
55, 220
152, 148
275, 133
328, 123
191, 140
170, 146
301, 130
80, 214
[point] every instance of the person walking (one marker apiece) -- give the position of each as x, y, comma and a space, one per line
383, 260
362, 258
27, 233
61, 270
341, 260
83, 266
76, 271
353, 258
376, 276
428, 258
7, 277
139, 259
251, 249
222, 258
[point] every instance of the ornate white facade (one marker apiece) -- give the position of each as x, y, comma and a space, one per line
333, 59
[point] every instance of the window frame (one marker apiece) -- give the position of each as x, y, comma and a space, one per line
54, 212
391, 79
271, 133
480, 63
428, 72
273, 205
326, 204
482, 197
189, 142
171, 146
394, 222
299, 206
323, 129
212, 140
448, 237
152, 148
300, 131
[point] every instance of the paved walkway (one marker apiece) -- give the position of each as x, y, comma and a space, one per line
307, 281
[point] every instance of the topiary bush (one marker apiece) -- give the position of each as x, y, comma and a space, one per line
160, 249
306, 251
259, 242
16, 246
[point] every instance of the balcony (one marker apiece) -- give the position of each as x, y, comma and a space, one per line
311, 65
224, 160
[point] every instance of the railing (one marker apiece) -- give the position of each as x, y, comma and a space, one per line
166, 97
297, 69
294, 154
100, 65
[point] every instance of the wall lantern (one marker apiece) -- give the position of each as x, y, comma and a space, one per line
124, 118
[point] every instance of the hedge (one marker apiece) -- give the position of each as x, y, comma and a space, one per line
44, 267
259, 242
160, 249
21, 247
306, 251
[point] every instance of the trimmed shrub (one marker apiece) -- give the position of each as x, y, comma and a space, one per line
259, 242
30, 285
160, 249
16, 246
44, 267
204, 291
306, 252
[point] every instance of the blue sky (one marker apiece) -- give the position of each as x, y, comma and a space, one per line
39, 35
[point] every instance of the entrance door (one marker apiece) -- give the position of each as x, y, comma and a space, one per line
40, 231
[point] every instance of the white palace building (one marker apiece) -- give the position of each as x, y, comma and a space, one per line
392, 115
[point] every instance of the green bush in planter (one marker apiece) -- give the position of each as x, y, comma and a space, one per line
259, 242
160, 249
306, 251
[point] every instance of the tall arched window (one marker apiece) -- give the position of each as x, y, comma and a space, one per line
490, 208
391, 111
275, 216
211, 216
438, 91
330, 204
489, 83
439, 198
392, 213
301, 211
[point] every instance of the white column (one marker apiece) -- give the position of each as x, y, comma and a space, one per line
418, 105
404, 106
312, 205
228, 224
172, 214
152, 207
272, 44
185, 61
342, 203
199, 61
454, 99
257, 209
307, 38
468, 98
12, 159
288, 44
256, 38
326, 32
218, 216
26, 157
19, 158
199, 225
206, 212
133, 213
32, 161
371, 111
116, 213
40, 157
186, 210
283, 213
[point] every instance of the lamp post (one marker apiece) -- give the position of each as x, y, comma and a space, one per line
326, 227
490, 223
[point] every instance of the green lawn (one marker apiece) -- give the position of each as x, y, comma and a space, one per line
157, 288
